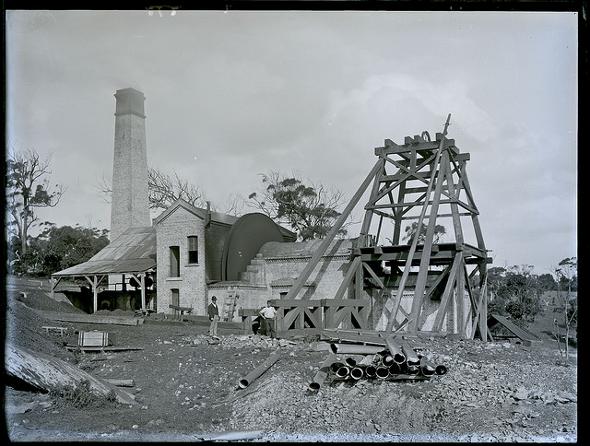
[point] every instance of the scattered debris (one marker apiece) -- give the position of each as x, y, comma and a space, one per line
61, 330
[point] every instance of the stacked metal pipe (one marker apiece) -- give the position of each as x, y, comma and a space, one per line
352, 362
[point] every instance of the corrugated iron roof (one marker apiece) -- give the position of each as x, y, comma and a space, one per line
132, 251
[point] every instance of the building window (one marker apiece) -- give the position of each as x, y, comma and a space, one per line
193, 249
175, 261
283, 294
175, 297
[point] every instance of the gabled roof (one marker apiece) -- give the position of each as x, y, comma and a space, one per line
216, 217
132, 252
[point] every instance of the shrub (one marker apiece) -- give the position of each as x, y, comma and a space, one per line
81, 396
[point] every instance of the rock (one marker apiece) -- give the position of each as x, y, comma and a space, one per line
135, 426
570, 396
520, 394
21, 408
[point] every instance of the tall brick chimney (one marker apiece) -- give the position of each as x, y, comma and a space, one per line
129, 206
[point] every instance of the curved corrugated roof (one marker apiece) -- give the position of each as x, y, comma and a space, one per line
304, 249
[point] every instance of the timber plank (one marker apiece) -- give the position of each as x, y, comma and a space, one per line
90, 318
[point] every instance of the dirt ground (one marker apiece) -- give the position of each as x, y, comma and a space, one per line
186, 388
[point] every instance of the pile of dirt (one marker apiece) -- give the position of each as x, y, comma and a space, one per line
24, 329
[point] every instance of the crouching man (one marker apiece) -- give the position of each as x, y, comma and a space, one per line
267, 320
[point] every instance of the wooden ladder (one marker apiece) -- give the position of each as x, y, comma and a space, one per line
230, 305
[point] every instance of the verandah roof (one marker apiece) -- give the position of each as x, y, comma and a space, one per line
134, 251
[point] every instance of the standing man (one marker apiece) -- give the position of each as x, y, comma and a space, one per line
213, 312
267, 320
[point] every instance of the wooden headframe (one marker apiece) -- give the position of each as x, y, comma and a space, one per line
420, 175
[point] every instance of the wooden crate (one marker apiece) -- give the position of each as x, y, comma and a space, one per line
93, 338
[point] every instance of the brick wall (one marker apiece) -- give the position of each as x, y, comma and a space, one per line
129, 206
173, 231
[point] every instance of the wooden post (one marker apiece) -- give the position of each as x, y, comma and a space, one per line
474, 218
454, 208
54, 283
446, 297
483, 318
142, 282
358, 283
294, 290
94, 285
412, 251
354, 265
369, 213
95, 292
460, 299
427, 247
399, 214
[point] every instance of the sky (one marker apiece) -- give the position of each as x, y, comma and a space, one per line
232, 95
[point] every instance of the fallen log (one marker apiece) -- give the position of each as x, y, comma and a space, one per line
120, 382
47, 373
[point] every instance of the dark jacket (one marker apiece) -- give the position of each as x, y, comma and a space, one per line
212, 310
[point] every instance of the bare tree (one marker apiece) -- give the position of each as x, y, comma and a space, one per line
28, 188
164, 189
234, 204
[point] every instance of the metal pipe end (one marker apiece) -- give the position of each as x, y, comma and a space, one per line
356, 373
342, 372
350, 361
334, 348
243, 383
399, 358
387, 360
413, 369
394, 369
336, 365
371, 371
382, 372
440, 369
427, 370
315, 386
